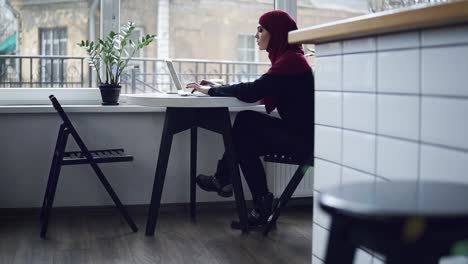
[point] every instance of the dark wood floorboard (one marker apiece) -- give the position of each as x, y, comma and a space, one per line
105, 238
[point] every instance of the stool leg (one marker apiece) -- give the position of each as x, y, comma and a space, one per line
285, 196
193, 173
339, 249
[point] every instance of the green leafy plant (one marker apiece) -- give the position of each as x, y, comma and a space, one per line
111, 53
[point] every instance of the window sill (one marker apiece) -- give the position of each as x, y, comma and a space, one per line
73, 100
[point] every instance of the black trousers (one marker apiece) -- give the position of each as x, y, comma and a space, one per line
256, 134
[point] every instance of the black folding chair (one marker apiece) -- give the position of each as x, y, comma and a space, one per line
85, 156
304, 165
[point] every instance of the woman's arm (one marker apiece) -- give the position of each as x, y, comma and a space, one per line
250, 92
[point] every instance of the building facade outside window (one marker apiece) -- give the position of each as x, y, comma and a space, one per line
53, 41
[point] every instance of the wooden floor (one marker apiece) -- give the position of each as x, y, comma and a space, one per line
105, 238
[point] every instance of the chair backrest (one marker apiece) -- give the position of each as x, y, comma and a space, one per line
60, 111
67, 122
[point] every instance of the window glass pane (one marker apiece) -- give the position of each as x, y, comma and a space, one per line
316, 12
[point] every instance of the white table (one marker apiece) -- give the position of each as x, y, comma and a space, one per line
174, 100
190, 112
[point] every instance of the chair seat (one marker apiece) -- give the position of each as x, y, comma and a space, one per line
99, 156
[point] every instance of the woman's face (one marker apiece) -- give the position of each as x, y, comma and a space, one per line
263, 37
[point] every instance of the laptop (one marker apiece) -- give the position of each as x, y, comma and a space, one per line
175, 78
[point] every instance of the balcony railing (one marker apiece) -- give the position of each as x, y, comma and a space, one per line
144, 75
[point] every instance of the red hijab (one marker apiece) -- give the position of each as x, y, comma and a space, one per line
285, 58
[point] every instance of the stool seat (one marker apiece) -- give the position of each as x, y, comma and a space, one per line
404, 221
285, 159
398, 200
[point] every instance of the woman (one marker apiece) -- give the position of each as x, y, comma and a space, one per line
288, 86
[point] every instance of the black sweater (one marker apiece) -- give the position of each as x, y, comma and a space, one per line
294, 95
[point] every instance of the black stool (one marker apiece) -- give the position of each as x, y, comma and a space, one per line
405, 221
304, 165
85, 156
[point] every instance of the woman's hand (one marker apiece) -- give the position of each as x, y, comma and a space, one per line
197, 87
209, 83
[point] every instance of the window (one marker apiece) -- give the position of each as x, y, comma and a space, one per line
53, 41
247, 48
316, 12
136, 34
247, 51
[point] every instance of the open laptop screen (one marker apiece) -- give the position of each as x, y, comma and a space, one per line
173, 74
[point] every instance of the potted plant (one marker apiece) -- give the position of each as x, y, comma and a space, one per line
113, 55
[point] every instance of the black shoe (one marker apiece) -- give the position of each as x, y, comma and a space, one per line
212, 184
254, 221
258, 217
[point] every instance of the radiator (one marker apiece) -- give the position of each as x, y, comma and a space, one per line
279, 176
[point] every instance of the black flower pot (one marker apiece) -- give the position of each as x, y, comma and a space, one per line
110, 94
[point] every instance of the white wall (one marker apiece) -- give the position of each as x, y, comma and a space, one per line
26, 149
390, 107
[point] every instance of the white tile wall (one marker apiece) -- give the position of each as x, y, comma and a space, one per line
444, 71
359, 72
359, 150
398, 116
330, 174
328, 143
328, 73
353, 176
444, 36
359, 111
332, 48
362, 257
397, 159
417, 127
328, 108
398, 41
319, 241
316, 260
444, 121
441, 164
377, 261
320, 217
359, 45
396, 77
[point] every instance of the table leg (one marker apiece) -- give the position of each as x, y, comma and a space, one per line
193, 173
161, 167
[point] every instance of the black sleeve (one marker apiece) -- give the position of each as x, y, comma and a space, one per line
266, 85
